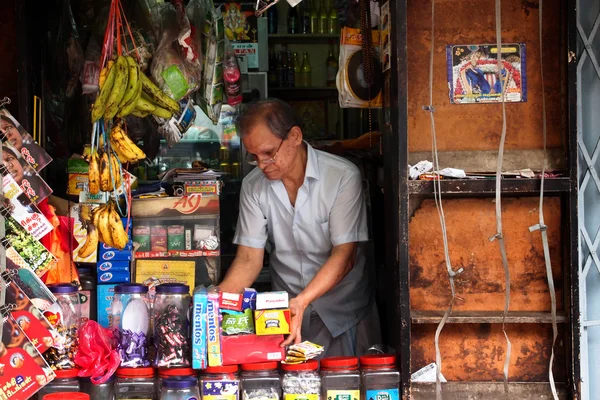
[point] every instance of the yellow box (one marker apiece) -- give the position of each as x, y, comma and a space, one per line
154, 272
272, 322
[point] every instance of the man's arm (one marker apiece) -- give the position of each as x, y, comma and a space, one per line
244, 269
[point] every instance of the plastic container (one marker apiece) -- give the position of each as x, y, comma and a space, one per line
65, 381
88, 294
183, 388
379, 376
165, 373
301, 381
65, 316
69, 395
131, 324
135, 383
171, 325
260, 381
340, 378
219, 381
103, 391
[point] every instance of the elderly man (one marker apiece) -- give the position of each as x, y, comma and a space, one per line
309, 206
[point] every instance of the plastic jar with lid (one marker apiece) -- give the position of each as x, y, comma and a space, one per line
135, 383
165, 373
65, 317
180, 388
65, 381
260, 381
171, 325
70, 395
301, 381
102, 391
131, 324
340, 378
219, 381
380, 378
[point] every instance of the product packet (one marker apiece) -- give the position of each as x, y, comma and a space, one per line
247, 349
272, 322
199, 328
213, 323
237, 323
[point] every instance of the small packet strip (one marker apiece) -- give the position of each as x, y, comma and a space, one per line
301, 352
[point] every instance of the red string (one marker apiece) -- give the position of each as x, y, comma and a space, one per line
137, 52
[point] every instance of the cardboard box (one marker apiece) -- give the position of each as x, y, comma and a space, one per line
272, 322
272, 300
111, 254
242, 349
249, 301
105, 295
199, 328
113, 266
77, 169
114, 277
154, 272
231, 301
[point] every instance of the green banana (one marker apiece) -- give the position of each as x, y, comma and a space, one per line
139, 113
161, 112
144, 105
119, 88
130, 106
132, 81
158, 96
100, 105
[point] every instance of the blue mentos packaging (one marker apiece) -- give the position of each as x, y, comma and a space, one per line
105, 295
200, 303
108, 253
114, 277
249, 301
113, 266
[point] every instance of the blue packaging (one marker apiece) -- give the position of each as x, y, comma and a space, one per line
249, 300
199, 328
114, 277
128, 247
113, 266
107, 253
105, 295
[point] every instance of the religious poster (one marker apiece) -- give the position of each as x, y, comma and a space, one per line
473, 75
242, 30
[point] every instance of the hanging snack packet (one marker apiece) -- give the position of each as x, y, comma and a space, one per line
302, 352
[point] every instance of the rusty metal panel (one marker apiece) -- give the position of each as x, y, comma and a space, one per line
487, 391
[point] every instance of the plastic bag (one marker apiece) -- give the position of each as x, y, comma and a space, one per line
176, 67
232, 76
96, 356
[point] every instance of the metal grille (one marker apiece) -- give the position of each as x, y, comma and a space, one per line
588, 140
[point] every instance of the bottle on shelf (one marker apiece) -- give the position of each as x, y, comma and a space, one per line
323, 17
272, 75
272, 19
331, 66
314, 17
291, 77
297, 70
333, 19
280, 71
305, 17
284, 66
306, 71
292, 20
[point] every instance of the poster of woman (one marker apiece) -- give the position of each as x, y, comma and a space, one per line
14, 133
24, 174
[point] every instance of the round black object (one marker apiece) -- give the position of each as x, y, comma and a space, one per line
356, 78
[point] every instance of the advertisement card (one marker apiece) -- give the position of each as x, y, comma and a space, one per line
23, 210
26, 177
12, 131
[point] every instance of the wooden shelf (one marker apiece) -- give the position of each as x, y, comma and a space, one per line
487, 390
488, 186
302, 37
176, 253
486, 317
313, 92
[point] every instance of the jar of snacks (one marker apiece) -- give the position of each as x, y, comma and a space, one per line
166, 373
131, 324
301, 381
101, 391
171, 325
135, 383
220, 381
65, 381
380, 378
340, 378
260, 381
65, 316
185, 388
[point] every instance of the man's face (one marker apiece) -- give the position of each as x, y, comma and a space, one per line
263, 144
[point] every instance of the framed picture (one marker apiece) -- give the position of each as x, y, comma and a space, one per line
313, 118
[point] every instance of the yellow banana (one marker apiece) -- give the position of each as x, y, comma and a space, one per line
162, 113
103, 225
126, 144
158, 96
144, 105
128, 107
94, 174
104, 74
119, 88
133, 79
105, 179
139, 113
118, 150
99, 106
119, 236
116, 169
95, 220
91, 242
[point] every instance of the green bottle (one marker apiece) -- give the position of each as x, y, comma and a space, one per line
323, 18
297, 70
333, 18
314, 18
306, 71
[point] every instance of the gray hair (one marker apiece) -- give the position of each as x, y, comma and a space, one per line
276, 114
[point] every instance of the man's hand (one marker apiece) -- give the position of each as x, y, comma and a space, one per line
297, 308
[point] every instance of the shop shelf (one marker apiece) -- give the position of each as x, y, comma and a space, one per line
303, 38
487, 390
486, 317
176, 253
488, 186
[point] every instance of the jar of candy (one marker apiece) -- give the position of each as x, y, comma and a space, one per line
301, 381
171, 325
216, 382
340, 378
101, 391
131, 324
70, 395
65, 381
166, 373
65, 317
135, 383
260, 381
185, 388
380, 378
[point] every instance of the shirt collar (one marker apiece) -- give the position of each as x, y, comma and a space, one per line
312, 163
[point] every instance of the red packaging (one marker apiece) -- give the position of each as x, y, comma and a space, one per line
246, 349
158, 238
231, 301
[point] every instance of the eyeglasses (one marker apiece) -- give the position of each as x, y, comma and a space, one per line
253, 160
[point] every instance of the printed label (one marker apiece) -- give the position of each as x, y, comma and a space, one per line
343, 395
220, 390
384, 394
301, 397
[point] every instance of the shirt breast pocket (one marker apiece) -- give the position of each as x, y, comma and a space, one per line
320, 237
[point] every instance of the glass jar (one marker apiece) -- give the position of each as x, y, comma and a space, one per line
260, 381
220, 381
185, 388
380, 378
102, 391
135, 383
65, 317
171, 325
340, 378
65, 381
301, 381
130, 323
165, 373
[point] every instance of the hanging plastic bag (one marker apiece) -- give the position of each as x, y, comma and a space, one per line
96, 356
232, 76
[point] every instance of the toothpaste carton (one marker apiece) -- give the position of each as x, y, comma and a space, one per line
114, 277
213, 324
272, 300
107, 253
199, 328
